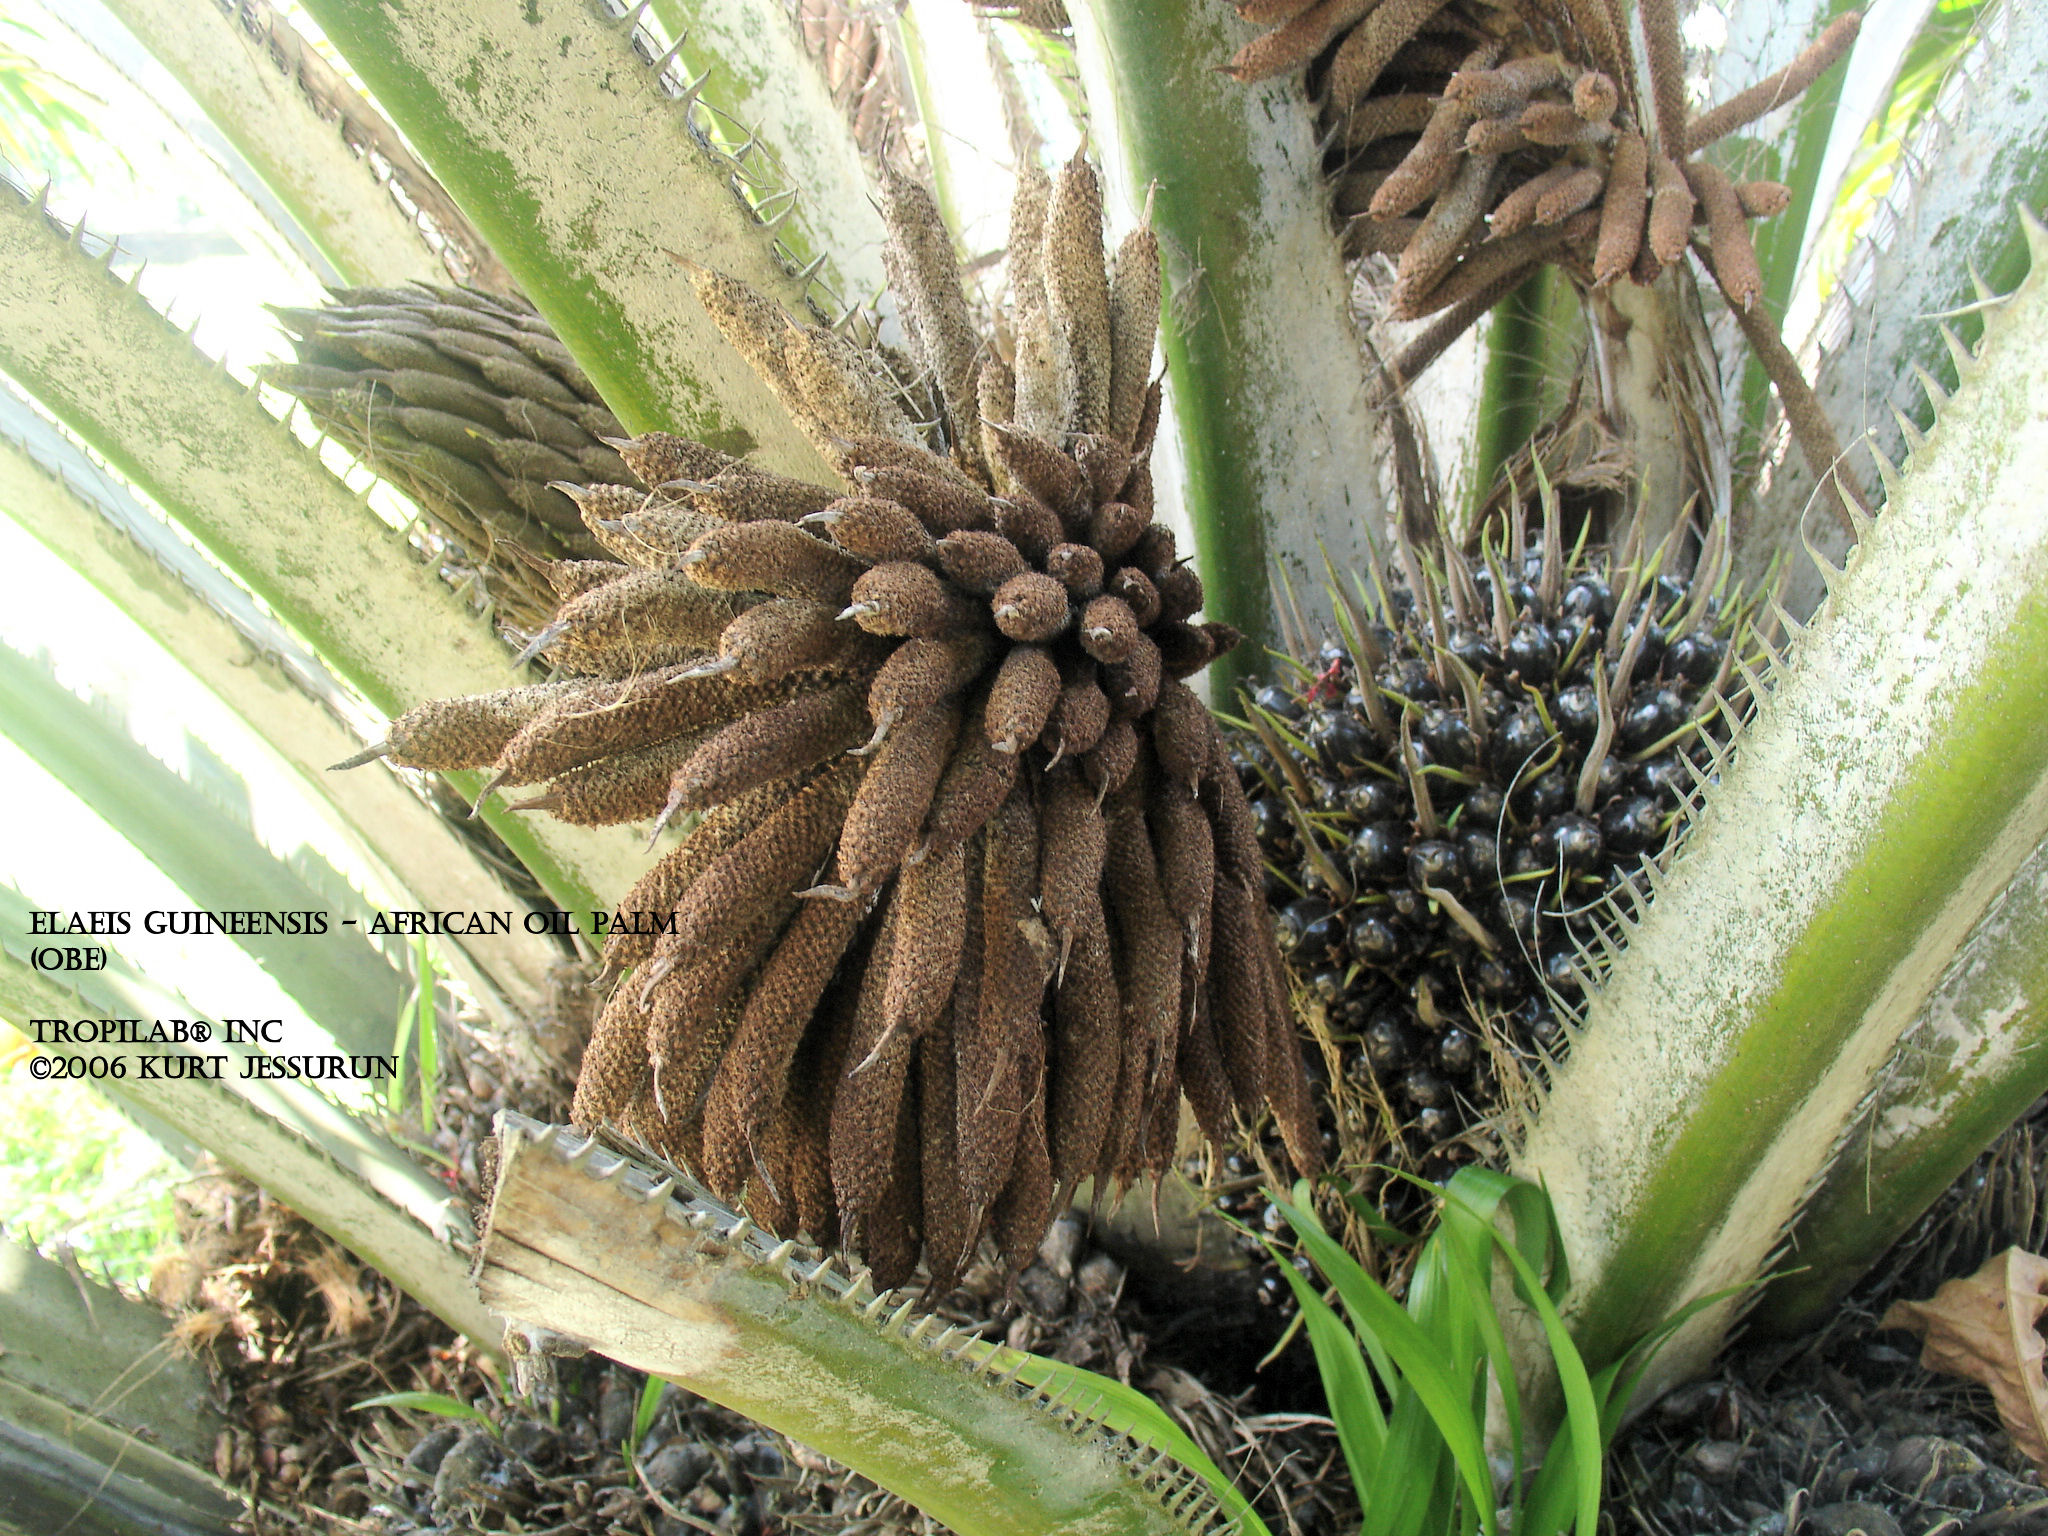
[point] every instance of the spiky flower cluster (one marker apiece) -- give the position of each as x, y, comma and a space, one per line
468, 402
974, 893
1477, 143
1446, 820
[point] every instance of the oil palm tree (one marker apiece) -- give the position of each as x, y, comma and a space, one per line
1834, 949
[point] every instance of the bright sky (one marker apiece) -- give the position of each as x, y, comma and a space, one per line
214, 258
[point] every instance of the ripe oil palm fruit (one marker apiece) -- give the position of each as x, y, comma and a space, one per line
1448, 789
973, 897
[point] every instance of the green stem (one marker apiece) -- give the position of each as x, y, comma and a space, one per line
326, 188
558, 143
1517, 369
204, 449
1891, 786
1265, 373
584, 1250
1973, 1063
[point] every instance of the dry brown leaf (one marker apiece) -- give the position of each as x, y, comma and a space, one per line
1985, 1328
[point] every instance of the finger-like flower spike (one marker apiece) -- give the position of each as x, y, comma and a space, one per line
1030, 607
877, 987
1109, 630
871, 528
1077, 568
979, 562
1515, 117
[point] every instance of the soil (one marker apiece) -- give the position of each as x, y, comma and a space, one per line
1842, 1430
1832, 1433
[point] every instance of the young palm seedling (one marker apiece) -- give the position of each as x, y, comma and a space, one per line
1413, 1389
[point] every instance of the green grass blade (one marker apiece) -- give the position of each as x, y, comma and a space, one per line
429, 975
1628, 1372
1468, 1243
1347, 1386
1417, 1493
644, 1412
1585, 1449
401, 1044
1415, 1355
1383, 1368
1130, 1412
439, 1404
674, 1287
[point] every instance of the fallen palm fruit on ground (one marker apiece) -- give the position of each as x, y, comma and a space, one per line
973, 897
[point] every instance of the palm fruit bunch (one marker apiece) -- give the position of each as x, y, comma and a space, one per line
1473, 143
1449, 794
972, 895
467, 402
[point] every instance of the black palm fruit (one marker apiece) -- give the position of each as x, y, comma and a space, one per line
1446, 793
